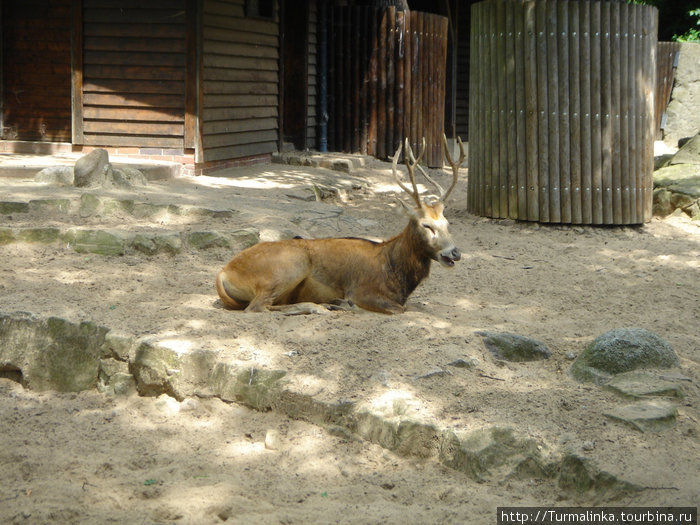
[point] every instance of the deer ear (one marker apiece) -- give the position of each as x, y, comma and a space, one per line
408, 210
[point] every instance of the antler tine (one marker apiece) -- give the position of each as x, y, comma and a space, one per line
414, 193
455, 165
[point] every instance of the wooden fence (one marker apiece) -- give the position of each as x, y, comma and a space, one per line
386, 80
562, 111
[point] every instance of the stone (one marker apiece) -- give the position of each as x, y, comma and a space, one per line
90, 205
56, 176
622, 350
689, 153
647, 416
38, 235
114, 378
682, 109
7, 208
46, 206
272, 440
579, 475
7, 236
100, 242
53, 353
662, 203
643, 384
470, 363
144, 244
494, 453
205, 240
91, 170
512, 347
127, 177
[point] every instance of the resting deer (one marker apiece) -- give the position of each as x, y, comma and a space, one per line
376, 276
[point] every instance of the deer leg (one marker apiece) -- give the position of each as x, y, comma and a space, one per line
379, 304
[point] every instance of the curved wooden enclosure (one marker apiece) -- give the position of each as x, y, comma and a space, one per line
386, 80
561, 123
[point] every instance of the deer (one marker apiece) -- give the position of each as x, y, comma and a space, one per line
312, 275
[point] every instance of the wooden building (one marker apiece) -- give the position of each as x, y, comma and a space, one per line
209, 83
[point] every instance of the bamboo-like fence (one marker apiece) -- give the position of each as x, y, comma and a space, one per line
666, 63
386, 80
561, 122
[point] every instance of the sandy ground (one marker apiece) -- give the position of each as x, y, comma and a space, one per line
87, 458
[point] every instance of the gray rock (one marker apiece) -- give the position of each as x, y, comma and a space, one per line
689, 153
8, 207
95, 241
643, 384
622, 350
90, 205
470, 363
91, 169
56, 176
127, 177
647, 416
205, 240
512, 347
579, 475
682, 111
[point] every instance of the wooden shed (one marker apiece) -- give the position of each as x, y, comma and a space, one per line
208, 83
182, 80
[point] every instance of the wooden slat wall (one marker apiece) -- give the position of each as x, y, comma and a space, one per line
562, 111
36, 76
462, 96
666, 57
240, 82
311, 101
386, 80
134, 63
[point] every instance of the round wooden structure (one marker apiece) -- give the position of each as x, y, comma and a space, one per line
561, 121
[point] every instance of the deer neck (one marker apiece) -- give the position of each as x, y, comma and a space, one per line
408, 260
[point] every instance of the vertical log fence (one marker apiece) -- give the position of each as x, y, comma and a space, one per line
386, 80
561, 114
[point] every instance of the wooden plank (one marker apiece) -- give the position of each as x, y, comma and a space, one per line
575, 112
615, 113
135, 44
236, 126
77, 130
134, 72
251, 26
133, 59
129, 114
633, 112
112, 127
382, 86
364, 40
238, 112
531, 120
400, 80
518, 50
239, 151
511, 114
651, 30
501, 185
246, 137
238, 88
605, 114
96, 85
623, 65
542, 110
115, 99
356, 81
586, 119
234, 49
493, 175
222, 101
562, 38
553, 111
347, 81
134, 140
474, 199
390, 78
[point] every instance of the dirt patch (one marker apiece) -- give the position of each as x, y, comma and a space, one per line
86, 458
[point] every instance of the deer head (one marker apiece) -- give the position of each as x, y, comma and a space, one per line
427, 215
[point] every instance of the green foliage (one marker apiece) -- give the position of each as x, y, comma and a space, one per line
693, 33
678, 19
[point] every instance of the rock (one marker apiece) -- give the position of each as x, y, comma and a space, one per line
45, 206
494, 453
682, 109
91, 170
579, 475
470, 363
207, 240
662, 203
95, 241
511, 347
38, 235
90, 205
435, 372
622, 350
126, 177
53, 353
647, 416
167, 405
7, 208
56, 176
6, 236
643, 384
114, 378
689, 153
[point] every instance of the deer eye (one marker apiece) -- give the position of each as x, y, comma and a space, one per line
429, 228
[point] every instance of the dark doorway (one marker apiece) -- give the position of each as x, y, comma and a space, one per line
294, 75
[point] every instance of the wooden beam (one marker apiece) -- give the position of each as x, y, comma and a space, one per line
77, 136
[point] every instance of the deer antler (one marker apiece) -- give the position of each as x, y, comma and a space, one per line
411, 163
455, 169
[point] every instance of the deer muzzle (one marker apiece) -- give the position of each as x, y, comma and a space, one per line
449, 256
